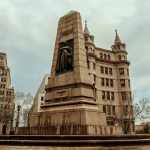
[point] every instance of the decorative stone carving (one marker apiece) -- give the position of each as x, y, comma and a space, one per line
65, 57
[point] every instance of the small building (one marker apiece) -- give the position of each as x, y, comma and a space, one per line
39, 97
6, 97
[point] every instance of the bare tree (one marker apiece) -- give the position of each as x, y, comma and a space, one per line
130, 110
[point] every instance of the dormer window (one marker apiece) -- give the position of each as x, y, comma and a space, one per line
118, 46
86, 39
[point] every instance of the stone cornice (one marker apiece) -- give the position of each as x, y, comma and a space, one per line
109, 61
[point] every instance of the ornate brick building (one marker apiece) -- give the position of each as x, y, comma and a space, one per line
6, 96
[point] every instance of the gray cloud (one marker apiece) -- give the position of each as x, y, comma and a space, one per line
28, 31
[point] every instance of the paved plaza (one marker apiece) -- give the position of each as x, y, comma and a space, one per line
144, 147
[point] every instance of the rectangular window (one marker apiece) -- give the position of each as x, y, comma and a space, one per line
110, 71
107, 82
4, 79
1, 57
3, 93
122, 82
108, 95
42, 98
94, 78
93, 65
5, 106
112, 95
113, 110
106, 70
3, 86
125, 109
5, 73
109, 110
121, 70
103, 94
41, 103
129, 82
102, 69
102, 81
1, 106
8, 106
127, 71
118, 46
104, 109
123, 95
111, 82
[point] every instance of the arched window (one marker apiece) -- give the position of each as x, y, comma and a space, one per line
119, 57
108, 57
104, 56
101, 55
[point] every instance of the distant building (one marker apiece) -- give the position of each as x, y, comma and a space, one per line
39, 97
6, 96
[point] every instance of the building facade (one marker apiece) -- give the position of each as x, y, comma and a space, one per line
6, 96
109, 71
39, 97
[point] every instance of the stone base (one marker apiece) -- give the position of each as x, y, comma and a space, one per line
70, 130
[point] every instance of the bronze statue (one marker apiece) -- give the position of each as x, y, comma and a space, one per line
64, 59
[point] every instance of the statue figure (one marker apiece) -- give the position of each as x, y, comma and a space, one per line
64, 59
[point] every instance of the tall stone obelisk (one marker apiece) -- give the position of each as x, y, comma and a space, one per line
70, 104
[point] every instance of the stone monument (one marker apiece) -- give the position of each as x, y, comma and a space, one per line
70, 101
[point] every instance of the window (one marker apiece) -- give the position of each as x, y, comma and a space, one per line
41, 103
1, 57
94, 78
129, 82
108, 95
122, 82
42, 98
123, 95
110, 71
103, 94
104, 56
4, 79
5, 106
111, 82
101, 55
93, 65
102, 81
1, 106
118, 46
86, 39
102, 69
3, 86
3, 93
112, 95
104, 109
119, 57
107, 82
121, 70
109, 110
110, 123
5, 73
106, 70
113, 110
108, 57
125, 110
127, 71
8, 106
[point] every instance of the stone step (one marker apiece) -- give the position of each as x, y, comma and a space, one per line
75, 142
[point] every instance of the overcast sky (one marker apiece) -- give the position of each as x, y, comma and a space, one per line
28, 31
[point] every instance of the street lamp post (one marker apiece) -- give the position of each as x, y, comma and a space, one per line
17, 122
